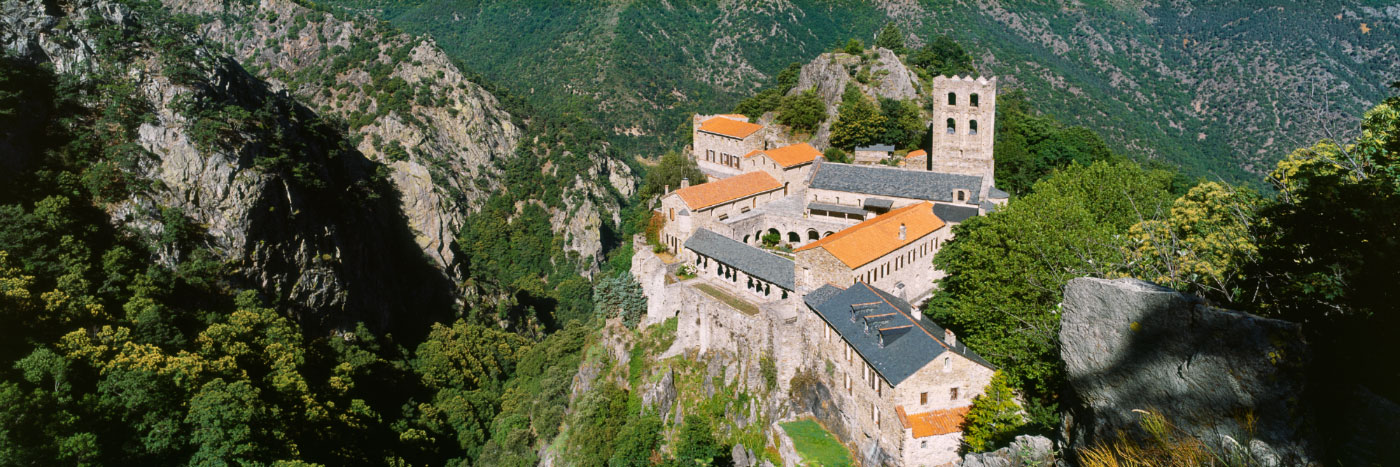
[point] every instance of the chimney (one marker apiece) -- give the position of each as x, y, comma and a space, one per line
666, 190
901, 231
950, 338
685, 182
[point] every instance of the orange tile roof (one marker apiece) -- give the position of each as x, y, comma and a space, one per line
934, 423
790, 155
739, 117
916, 153
729, 127
709, 194
867, 241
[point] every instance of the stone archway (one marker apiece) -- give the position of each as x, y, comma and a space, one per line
794, 238
812, 234
828, 234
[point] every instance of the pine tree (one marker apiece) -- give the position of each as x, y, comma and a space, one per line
994, 417
891, 38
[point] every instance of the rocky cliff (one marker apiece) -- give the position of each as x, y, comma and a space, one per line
271, 187
408, 106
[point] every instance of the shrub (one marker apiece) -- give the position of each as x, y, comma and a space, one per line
803, 111
994, 417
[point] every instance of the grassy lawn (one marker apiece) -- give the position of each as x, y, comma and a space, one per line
738, 304
816, 445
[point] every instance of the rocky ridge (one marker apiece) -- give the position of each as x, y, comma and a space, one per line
408, 106
275, 190
831, 72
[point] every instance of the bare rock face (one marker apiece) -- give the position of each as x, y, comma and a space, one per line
1023, 451
828, 75
1230, 379
890, 78
280, 197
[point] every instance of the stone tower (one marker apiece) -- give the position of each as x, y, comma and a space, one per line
963, 126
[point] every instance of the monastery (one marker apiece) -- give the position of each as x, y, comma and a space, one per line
841, 255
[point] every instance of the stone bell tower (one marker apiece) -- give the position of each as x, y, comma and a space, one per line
964, 127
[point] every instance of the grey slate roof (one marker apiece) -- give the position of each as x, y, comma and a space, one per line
894, 182
954, 212
753, 261
997, 193
836, 208
905, 345
877, 147
880, 203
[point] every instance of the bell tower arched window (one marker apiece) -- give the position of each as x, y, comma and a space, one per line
952, 98
952, 126
972, 127
972, 100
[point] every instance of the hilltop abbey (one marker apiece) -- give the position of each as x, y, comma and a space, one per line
837, 257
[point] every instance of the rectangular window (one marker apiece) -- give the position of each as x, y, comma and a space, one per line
923, 398
953, 394
710, 155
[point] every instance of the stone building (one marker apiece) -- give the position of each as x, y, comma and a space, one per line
893, 251
963, 127
838, 190
872, 154
764, 276
789, 164
901, 383
720, 143
695, 207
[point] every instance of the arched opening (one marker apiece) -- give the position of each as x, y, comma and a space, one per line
962, 195
972, 100
774, 232
952, 98
813, 235
952, 126
793, 237
972, 127
746, 239
827, 234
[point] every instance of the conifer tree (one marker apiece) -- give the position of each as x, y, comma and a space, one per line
994, 417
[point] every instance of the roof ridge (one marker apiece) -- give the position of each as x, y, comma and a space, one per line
911, 319
861, 225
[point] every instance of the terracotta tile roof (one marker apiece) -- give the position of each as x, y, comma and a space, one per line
790, 155
937, 422
739, 117
709, 194
916, 153
729, 127
867, 241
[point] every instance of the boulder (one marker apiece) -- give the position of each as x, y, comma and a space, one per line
1233, 380
1024, 450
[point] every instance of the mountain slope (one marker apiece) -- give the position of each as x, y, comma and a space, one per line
1220, 88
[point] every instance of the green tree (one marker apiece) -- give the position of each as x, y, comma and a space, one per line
835, 154
858, 122
1203, 244
765, 101
944, 56
668, 172
854, 47
904, 124
229, 423
637, 441
803, 111
1007, 271
696, 444
891, 38
620, 295
994, 417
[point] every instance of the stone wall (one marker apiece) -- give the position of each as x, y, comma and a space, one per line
963, 152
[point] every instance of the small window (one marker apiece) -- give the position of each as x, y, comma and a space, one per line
972, 100
673, 214
972, 127
952, 98
743, 210
947, 364
923, 398
962, 195
952, 126
724, 217
953, 393
923, 444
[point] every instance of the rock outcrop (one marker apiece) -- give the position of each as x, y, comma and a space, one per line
830, 73
277, 192
1023, 451
1229, 379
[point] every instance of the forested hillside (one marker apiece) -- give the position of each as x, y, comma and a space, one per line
1219, 88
